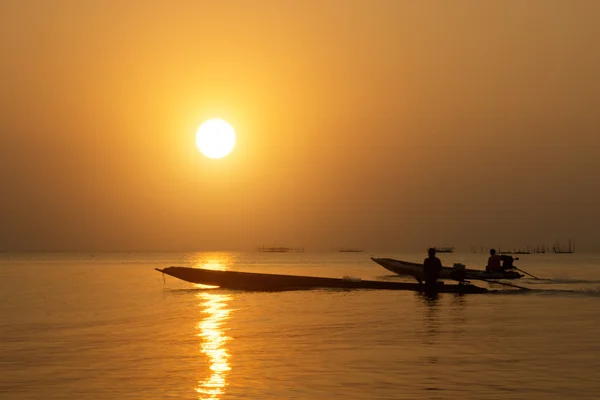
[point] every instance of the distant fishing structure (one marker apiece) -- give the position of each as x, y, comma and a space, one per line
515, 251
349, 250
444, 249
280, 249
559, 250
476, 249
538, 249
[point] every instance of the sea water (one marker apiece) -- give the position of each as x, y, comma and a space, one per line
98, 326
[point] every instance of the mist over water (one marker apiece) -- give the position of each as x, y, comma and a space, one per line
95, 326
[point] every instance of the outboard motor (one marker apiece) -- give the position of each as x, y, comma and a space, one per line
507, 262
459, 272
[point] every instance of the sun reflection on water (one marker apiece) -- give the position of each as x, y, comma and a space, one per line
213, 344
220, 261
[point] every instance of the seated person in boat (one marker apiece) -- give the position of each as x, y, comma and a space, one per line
432, 266
494, 260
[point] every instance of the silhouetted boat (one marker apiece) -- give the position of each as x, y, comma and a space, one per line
416, 270
272, 282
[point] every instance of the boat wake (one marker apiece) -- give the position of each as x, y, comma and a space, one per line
532, 286
581, 293
561, 281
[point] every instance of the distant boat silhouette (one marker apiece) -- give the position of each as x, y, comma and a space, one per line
444, 249
280, 249
349, 250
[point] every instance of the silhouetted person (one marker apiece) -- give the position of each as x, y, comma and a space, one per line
432, 266
493, 264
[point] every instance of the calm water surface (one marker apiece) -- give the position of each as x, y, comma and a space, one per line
96, 326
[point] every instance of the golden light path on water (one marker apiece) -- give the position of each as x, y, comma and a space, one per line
213, 344
213, 336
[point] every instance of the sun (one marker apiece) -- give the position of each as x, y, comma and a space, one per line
215, 138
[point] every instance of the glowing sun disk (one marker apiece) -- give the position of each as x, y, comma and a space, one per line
215, 138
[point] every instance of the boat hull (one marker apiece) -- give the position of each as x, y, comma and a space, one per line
272, 282
409, 268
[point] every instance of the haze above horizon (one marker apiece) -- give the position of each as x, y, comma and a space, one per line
380, 125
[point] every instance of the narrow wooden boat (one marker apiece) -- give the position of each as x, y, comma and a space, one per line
409, 268
273, 282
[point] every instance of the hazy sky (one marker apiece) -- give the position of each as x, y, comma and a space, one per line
388, 125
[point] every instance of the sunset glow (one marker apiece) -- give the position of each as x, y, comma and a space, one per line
215, 138
349, 123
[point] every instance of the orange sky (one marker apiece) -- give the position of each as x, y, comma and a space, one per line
387, 125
